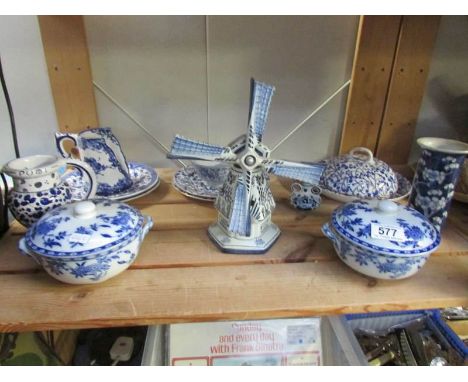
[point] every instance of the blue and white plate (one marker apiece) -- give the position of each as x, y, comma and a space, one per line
145, 179
189, 183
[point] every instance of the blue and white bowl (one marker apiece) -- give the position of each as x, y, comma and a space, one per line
86, 242
382, 239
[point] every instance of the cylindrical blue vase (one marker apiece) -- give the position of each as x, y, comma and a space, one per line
437, 172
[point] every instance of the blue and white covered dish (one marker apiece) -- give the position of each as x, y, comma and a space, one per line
86, 242
358, 175
382, 239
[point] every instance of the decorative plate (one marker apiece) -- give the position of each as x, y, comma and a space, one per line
188, 182
359, 175
403, 191
145, 179
385, 227
84, 228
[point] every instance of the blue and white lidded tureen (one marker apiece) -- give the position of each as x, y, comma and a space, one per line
86, 242
382, 239
358, 175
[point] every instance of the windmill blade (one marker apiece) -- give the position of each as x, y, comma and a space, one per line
309, 173
260, 100
240, 221
184, 148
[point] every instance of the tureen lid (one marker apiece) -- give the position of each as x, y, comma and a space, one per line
386, 227
84, 228
359, 174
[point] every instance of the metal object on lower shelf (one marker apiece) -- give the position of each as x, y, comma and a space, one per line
415, 338
438, 361
383, 360
406, 349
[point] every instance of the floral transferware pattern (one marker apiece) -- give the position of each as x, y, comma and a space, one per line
188, 181
354, 222
60, 234
383, 265
360, 177
144, 180
92, 269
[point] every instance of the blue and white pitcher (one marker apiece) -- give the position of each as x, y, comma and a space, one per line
101, 150
39, 185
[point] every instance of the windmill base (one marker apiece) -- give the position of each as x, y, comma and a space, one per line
257, 245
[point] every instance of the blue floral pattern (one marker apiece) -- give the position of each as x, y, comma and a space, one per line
189, 182
60, 234
28, 207
144, 179
354, 221
90, 269
386, 266
374, 264
96, 150
354, 176
434, 184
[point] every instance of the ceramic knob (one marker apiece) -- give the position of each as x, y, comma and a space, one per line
250, 160
84, 210
387, 207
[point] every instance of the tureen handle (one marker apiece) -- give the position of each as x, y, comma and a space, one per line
146, 227
329, 233
365, 150
25, 250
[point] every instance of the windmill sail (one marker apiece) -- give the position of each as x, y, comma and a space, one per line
309, 173
185, 148
260, 100
240, 215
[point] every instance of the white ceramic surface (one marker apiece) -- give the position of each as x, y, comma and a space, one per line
145, 179
382, 239
403, 191
101, 150
38, 185
86, 242
359, 175
443, 145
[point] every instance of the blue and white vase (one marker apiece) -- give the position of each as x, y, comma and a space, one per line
102, 151
436, 176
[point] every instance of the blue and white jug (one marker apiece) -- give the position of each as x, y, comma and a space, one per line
102, 151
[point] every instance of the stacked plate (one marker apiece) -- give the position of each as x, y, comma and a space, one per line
145, 179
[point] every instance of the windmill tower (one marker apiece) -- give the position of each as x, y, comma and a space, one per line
245, 202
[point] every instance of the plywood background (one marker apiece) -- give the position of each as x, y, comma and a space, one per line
190, 75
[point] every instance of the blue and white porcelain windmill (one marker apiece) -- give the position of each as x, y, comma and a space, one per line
245, 201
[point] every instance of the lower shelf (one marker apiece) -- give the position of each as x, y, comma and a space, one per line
180, 276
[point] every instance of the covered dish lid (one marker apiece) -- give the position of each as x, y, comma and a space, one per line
84, 228
359, 174
386, 227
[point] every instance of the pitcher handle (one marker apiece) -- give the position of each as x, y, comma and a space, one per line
60, 138
88, 171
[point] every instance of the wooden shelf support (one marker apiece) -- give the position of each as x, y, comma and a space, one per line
67, 57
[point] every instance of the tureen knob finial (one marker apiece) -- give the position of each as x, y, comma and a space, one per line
387, 207
84, 210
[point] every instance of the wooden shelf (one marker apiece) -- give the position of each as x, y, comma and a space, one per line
180, 276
